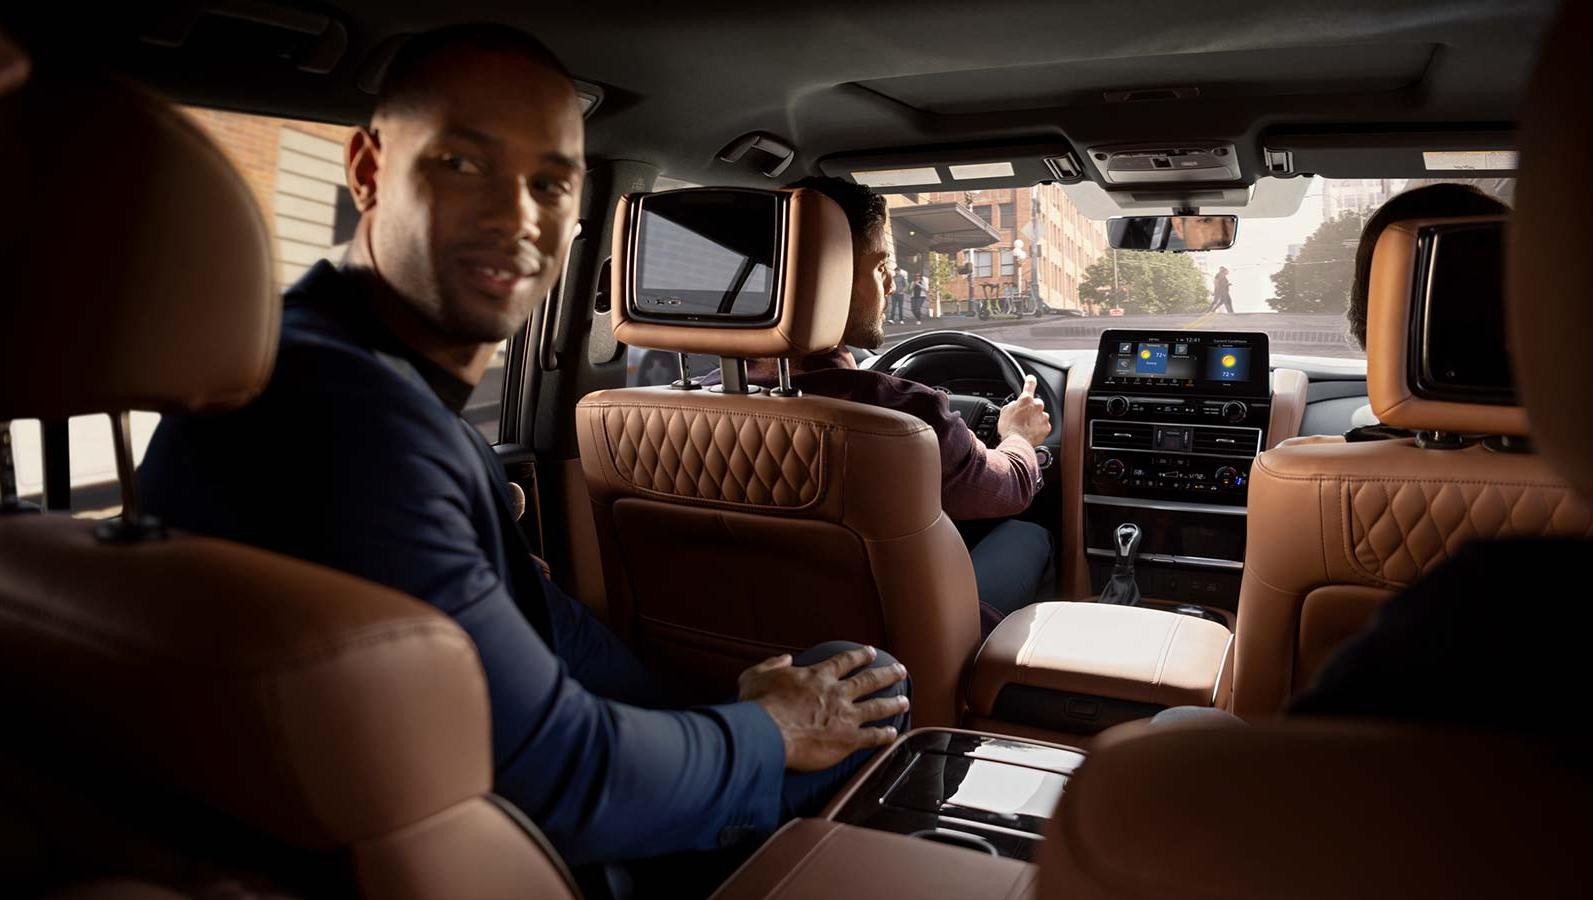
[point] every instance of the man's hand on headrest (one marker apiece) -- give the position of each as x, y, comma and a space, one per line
1025, 416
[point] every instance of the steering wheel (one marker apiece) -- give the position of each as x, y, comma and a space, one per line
978, 412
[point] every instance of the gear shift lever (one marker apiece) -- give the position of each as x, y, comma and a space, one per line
1123, 590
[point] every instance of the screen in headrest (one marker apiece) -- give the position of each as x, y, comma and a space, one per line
707, 255
1458, 350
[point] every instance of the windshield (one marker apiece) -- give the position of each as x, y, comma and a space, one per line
1025, 266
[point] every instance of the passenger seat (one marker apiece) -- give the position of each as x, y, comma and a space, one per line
1338, 527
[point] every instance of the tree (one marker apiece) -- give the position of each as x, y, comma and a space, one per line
941, 272
1148, 284
1317, 279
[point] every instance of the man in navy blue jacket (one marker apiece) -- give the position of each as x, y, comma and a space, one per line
468, 181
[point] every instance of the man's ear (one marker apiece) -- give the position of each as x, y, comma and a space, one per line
363, 158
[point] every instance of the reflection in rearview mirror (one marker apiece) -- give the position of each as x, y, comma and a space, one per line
1174, 234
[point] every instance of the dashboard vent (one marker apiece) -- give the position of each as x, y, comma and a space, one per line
1108, 435
1226, 441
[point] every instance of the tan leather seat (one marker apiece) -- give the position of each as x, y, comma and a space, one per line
184, 708
734, 527
1337, 528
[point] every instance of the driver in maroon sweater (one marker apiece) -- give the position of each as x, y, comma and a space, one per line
1012, 559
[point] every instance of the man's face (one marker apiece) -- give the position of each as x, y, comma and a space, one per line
872, 281
475, 191
1204, 232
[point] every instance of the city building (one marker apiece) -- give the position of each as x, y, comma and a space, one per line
295, 170
1058, 243
1358, 195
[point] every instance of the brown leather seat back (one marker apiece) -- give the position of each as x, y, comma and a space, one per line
738, 527
1336, 528
291, 709
1318, 809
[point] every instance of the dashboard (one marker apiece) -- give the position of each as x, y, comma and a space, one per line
1207, 396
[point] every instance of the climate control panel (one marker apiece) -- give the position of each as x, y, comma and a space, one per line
1194, 449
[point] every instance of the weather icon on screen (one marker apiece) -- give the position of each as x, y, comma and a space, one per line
1229, 364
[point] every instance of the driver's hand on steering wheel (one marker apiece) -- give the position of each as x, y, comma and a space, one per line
1025, 417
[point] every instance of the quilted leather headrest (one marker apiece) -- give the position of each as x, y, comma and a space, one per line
1390, 320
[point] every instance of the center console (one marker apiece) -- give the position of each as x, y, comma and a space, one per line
1173, 421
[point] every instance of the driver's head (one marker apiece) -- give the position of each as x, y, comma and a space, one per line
469, 179
1430, 201
871, 251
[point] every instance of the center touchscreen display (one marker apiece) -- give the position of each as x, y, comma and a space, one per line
1224, 362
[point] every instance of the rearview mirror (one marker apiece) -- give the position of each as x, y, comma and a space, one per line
1174, 234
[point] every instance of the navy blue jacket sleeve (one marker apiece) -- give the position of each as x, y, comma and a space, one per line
372, 483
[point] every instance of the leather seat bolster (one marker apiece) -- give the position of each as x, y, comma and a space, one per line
320, 708
1315, 809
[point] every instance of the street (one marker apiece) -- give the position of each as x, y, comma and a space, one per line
1292, 334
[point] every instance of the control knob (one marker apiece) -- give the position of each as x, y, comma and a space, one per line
1116, 406
1228, 477
1234, 411
1113, 468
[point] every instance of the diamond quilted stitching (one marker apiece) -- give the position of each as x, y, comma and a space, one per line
717, 456
1401, 530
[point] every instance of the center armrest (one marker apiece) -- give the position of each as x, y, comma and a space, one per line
817, 858
1080, 667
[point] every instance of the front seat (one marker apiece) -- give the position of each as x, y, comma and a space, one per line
735, 527
1337, 527
183, 710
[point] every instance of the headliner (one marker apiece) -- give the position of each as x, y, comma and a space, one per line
683, 79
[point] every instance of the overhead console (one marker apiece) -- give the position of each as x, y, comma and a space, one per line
1173, 421
1198, 161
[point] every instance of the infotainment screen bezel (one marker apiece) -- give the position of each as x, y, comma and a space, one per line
1258, 384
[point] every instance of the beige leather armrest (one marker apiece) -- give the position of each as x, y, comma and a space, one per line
1314, 809
816, 859
1122, 652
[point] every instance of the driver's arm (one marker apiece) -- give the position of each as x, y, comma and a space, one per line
977, 482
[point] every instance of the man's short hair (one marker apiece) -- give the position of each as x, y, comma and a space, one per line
1429, 201
865, 210
404, 82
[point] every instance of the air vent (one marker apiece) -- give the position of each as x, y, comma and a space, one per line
1107, 435
1226, 441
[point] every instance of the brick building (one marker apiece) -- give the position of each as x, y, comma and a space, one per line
1059, 244
296, 172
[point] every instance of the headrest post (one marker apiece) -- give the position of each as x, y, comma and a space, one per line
9, 501
785, 389
733, 376
684, 383
132, 525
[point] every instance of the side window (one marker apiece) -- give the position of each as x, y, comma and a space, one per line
95, 492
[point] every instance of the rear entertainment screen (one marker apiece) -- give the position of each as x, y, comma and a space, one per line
1222, 362
1459, 350
707, 255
